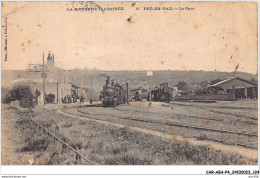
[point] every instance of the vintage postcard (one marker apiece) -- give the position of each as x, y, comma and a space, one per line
129, 83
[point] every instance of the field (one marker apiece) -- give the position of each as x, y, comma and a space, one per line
177, 133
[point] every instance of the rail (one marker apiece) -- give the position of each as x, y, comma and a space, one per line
64, 143
200, 128
187, 126
215, 97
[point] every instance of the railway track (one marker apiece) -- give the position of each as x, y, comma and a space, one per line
214, 111
190, 127
64, 144
238, 144
175, 115
181, 125
78, 156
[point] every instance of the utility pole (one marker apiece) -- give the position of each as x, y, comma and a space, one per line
215, 60
91, 89
57, 93
127, 93
43, 79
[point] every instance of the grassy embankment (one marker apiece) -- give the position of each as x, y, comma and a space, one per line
104, 144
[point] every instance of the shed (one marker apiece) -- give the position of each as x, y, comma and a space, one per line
241, 87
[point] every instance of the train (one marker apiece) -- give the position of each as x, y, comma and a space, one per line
163, 94
113, 94
138, 94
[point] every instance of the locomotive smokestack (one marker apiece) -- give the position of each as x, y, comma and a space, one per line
107, 81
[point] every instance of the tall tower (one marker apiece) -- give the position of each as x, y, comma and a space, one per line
50, 59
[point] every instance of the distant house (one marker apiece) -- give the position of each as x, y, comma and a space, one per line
57, 81
241, 87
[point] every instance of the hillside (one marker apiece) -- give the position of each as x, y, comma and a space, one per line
134, 78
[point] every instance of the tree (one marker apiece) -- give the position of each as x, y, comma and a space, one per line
254, 80
215, 81
182, 86
204, 84
50, 98
202, 89
37, 93
27, 100
7, 98
21, 93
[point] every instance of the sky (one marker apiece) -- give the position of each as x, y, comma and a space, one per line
215, 35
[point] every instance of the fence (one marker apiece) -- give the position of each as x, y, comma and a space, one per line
216, 97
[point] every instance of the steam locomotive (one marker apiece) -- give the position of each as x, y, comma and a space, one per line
113, 94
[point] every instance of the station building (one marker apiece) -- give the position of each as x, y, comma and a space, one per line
57, 81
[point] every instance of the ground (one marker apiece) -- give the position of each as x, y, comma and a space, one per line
177, 133
12, 140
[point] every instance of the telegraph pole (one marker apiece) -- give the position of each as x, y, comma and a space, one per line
43, 79
127, 98
215, 60
91, 90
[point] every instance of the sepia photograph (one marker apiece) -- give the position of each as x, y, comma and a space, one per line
129, 83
